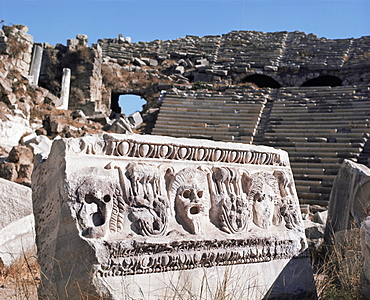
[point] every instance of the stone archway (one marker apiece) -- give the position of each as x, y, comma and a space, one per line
262, 81
116, 105
325, 80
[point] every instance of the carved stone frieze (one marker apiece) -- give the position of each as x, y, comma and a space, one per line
146, 205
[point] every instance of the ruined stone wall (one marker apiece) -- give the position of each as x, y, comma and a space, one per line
86, 80
289, 58
15, 49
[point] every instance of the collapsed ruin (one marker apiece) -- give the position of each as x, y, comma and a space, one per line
307, 95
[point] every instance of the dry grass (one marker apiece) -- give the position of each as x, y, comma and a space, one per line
21, 279
337, 268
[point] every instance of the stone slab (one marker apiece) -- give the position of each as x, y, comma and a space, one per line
141, 212
17, 233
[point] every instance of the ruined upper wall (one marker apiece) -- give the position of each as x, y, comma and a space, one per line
290, 58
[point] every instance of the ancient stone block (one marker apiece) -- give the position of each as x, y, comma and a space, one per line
8, 171
17, 235
130, 216
349, 198
21, 155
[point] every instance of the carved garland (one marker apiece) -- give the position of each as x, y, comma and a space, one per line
145, 258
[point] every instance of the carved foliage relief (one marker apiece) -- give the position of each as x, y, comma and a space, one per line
172, 200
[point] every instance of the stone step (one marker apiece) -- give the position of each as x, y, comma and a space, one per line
324, 167
309, 118
303, 197
320, 177
315, 132
313, 189
335, 124
164, 121
342, 145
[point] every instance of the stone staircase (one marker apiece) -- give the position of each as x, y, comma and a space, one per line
230, 116
318, 126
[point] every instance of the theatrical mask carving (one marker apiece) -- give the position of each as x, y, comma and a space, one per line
264, 193
98, 211
148, 205
190, 196
230, 208
288, 209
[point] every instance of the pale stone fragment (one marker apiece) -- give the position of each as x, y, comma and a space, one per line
17, 235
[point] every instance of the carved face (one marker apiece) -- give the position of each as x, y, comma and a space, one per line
96, 198
263, 196
191, 199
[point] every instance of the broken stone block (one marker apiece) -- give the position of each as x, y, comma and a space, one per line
82, 39
12, 129
349, 198
135, 119
138, 62
17, 234
8, 171
24, 174
21, 155
122, 216
179, 70
40, 144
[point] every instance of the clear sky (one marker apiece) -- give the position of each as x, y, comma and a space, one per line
55, 21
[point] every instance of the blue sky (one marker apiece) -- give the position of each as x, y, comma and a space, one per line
55, 21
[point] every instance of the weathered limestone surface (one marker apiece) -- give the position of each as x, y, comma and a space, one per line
17, 233
349, 198
144, 217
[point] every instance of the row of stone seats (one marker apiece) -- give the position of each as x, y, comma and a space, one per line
220, 117
248, 48
319, 127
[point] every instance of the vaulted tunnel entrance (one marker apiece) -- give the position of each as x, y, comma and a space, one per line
262, 81
326, 80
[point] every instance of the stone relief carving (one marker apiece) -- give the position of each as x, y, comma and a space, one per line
139, 149
288, 208
149, 197
264, 195
148, 206
142, 189
141, 258
189, 194
100, 206
230, 208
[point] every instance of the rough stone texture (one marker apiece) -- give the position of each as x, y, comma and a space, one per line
349, 199
12, 129
17, 234
126, 214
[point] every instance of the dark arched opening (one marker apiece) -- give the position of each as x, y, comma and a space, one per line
262, 81
326, 80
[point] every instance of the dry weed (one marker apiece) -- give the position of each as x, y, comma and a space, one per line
338, 267
21, 279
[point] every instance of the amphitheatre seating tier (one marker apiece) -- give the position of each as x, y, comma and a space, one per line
232, 117
318, 126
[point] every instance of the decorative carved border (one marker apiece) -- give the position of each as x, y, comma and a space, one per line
132, 148
143, 258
